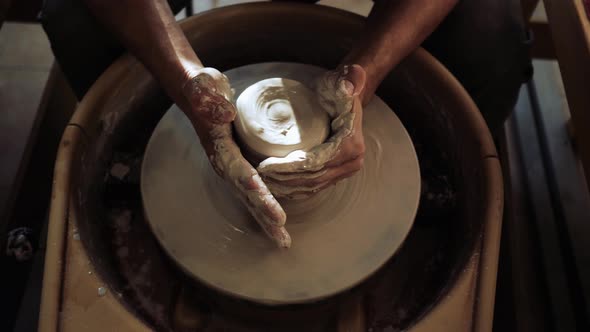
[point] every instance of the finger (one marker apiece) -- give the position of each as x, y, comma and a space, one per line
342, 126
251, 190
314, 160
277, 169
344, 157
346, 144
279, 235
265, 209
282, 191
353, 80
300, 161
260, 197
353, 143
234, 168
336, 89
330, 175
292, 176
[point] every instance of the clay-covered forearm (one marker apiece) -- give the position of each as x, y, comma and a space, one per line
393, 30
149, 31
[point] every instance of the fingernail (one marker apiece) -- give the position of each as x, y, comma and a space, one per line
278, 234
348, 87
283, 239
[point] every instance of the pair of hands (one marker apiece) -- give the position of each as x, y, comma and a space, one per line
300, 173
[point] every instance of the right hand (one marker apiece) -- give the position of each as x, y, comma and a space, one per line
303, 173
208, 93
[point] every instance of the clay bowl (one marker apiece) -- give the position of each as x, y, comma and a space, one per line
457, 158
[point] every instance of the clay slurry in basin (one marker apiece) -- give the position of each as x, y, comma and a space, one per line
277, 116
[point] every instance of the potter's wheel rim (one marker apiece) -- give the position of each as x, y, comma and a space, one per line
91, 110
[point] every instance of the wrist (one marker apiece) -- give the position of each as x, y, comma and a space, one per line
204, 85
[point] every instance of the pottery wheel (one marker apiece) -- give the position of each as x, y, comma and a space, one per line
340, 236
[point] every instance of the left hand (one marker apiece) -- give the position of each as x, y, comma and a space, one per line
303, 173
208, 92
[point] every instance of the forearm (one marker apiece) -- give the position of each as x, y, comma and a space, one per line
394, 29
149, 31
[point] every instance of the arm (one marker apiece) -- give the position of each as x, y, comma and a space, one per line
148, 29
394, 29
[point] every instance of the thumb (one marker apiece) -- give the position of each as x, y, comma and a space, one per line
352, 81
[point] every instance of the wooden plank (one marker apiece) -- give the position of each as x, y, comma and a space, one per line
570, 29
35, 175
23, 75
564, 177
31, 188
543, 216
523, 290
